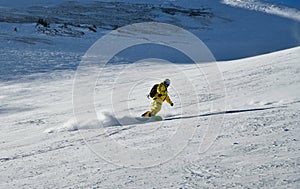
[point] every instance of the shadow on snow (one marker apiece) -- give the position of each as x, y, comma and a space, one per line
222, 113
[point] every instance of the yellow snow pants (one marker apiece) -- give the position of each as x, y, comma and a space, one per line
156, 106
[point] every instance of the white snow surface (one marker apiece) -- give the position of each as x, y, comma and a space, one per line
255, 135
257, 146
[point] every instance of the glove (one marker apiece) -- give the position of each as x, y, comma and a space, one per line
159, 95
172, 104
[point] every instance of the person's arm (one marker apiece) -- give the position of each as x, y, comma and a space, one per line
169, 100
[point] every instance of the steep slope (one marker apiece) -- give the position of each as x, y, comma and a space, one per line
257, 144
255, 135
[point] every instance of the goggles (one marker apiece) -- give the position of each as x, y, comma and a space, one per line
167, 83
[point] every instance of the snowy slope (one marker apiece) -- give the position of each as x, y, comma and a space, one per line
258, 145
250, 142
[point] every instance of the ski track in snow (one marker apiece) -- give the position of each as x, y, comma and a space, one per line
258, 146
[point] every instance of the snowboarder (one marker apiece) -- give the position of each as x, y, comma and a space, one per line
159, 93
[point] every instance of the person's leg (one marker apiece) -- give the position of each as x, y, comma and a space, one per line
146, 114
156, 107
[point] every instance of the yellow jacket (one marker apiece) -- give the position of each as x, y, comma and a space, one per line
162, 93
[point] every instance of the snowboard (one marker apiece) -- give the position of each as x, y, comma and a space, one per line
156, 118
152, 118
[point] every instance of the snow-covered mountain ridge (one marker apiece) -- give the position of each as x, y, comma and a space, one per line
229, 32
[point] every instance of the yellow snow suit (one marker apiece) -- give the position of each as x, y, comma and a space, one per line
158, 99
